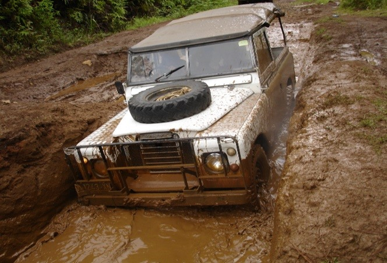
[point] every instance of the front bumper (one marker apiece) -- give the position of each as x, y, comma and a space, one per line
186, 198
147, 173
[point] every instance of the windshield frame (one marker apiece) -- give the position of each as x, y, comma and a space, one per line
249, 54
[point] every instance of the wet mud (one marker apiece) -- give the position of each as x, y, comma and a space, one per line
207, 234
95, 234
325, 201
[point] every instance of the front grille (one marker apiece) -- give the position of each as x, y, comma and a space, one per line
161, 153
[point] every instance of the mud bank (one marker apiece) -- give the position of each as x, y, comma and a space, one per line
332, 203
45, 106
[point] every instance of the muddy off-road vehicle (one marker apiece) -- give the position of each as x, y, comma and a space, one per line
205, 94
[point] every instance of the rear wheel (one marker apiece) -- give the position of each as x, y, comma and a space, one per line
259, 173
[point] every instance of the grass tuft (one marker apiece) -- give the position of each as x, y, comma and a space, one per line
337, 99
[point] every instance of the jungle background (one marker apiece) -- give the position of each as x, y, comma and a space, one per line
30, 29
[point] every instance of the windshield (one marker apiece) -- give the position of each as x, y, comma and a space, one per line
197, 61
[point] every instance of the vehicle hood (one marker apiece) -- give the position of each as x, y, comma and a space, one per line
223, 101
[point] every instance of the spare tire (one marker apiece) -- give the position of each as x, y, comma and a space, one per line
170, 102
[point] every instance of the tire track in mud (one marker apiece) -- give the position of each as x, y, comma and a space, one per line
214, 234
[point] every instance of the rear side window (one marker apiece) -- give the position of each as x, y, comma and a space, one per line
262, 51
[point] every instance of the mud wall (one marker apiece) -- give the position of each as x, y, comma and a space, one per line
331, 205
44, 107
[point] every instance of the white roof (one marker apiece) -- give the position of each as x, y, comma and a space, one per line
223, 23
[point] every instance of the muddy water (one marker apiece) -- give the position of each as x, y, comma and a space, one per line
214, 234
94, 234
94, 84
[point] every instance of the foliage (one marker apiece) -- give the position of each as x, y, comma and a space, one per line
93, 15
38, 26
352, 4
173, 9
25, 24
364, 4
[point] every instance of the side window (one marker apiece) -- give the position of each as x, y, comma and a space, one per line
262, 51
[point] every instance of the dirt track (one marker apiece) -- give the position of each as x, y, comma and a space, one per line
332, 201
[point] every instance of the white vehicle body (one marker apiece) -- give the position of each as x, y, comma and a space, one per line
207, 158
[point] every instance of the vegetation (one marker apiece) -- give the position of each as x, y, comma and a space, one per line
361, 7
364, 4
35, 27
375, 122
38, 26
336, 99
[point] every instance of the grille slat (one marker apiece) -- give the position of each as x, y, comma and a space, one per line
161, 163
164, 158
164, 152
161, 153
145, 146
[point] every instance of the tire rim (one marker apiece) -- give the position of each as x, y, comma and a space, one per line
168, 93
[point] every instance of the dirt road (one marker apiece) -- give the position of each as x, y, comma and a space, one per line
331, 204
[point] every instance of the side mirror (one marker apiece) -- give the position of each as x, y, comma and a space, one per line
120, 87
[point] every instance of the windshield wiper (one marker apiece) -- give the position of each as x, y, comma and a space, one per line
169, 73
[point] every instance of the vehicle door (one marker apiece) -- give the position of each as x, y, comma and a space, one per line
268, 75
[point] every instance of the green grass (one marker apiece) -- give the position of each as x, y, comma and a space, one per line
146, 21
364, 4
376, 141
375, 124
376, 119
363, 13
322, 34
205, 5
337, 99
365, 8
333, 260
327, 19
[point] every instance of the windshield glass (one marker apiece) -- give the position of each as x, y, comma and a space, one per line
205, 60
147, 67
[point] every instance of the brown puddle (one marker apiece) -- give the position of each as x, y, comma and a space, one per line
141, 235
83, 84
212, 234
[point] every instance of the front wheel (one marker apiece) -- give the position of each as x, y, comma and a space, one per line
259, 173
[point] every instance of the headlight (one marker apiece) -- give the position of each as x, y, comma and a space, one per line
99, 168
215, 163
